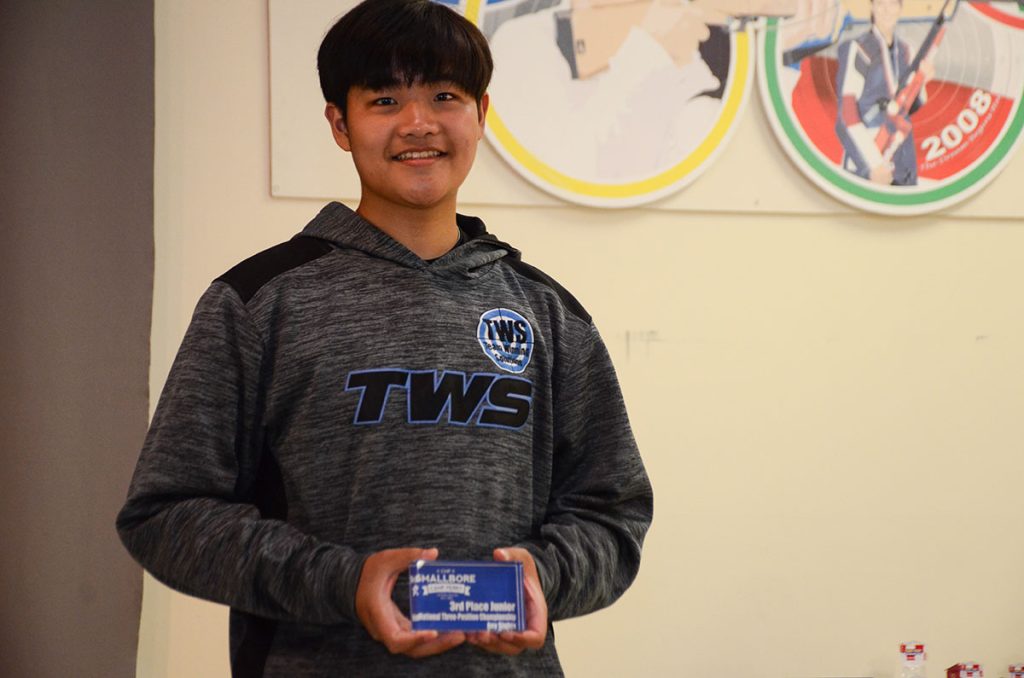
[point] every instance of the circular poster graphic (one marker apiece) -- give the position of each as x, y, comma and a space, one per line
896, 107
613, 103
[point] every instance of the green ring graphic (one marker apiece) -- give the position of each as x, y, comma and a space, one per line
841, 180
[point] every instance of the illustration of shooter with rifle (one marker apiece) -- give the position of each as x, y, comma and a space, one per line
879, 86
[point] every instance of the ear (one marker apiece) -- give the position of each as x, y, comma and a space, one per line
485, 101
338, 127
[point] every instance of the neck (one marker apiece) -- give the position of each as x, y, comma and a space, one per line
887, 35
426, 233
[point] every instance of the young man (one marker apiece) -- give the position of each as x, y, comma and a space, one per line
391, 384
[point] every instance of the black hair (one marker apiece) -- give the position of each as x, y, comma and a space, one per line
384, 43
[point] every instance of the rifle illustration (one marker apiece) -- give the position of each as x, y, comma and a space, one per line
844, 14
896, 127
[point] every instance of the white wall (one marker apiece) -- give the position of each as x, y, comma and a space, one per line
829, 404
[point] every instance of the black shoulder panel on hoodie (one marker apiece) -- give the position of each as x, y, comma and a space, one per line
249, 276
537, 275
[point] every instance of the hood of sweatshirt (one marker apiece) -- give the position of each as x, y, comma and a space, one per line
342, 227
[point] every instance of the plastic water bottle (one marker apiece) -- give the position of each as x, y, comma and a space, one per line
913, 660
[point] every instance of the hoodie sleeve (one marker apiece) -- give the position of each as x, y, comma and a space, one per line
601, 500
191, 517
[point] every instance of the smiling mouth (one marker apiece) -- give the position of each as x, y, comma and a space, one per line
419, 155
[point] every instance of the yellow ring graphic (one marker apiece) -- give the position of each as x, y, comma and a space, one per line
540, 169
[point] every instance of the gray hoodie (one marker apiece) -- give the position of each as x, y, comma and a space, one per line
336, 395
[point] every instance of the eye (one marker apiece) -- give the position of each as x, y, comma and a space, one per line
384, 101
445, 96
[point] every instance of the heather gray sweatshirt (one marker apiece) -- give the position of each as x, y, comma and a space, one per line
336, 395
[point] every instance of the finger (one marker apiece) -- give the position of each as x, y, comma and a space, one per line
513, 553
403, 642
393, 623
389, 626
494, 643
375, 607
381, 569
442, 643
396, 560
394, 630
536, 607
527, 640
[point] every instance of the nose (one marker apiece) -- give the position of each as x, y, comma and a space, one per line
418, 119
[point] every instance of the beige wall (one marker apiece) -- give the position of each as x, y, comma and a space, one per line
828, 404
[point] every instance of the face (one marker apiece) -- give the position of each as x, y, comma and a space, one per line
412, 146
886, 13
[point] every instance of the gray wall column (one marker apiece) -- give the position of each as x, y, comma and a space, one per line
76, 277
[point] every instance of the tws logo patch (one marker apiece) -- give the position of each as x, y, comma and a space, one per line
506, 338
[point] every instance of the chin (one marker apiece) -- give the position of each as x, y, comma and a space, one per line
427, 198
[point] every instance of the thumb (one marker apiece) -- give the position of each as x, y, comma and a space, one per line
402, 557
390, 562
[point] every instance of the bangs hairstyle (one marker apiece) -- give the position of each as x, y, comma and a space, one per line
386, 43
